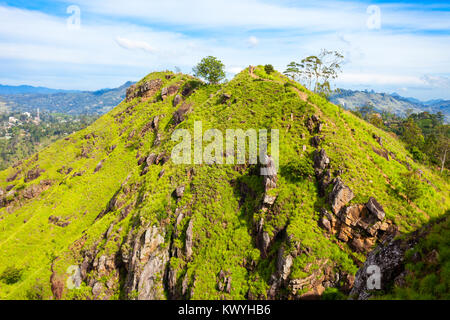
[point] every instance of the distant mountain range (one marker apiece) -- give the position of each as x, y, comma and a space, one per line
28, 98
389, 102
30, 89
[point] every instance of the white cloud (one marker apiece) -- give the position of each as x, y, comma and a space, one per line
437, 81
33, 40
234, 69
377, 79
252, 41
133, 45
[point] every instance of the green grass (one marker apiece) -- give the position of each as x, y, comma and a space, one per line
223, 227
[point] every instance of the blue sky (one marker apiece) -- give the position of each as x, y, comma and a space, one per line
400, 46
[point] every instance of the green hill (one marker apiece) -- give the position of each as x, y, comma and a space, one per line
107, 209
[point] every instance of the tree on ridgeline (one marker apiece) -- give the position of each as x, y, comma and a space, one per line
317, 72
211, 69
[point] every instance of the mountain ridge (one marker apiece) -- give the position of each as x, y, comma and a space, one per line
109, 202
394, 103
70, 102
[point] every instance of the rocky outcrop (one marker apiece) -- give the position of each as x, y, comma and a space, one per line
189, 239
177, 100
270, 178
145, 90
322, 171
340, 195
224, 282
388, 259
33, 174
314, 125
361, 226
169, 91
146, 265
321, 160
58, 221
180, 114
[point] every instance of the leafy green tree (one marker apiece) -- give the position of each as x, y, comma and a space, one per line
412, 134
268, 68
411, 186
317, 72
292, 70
211, 69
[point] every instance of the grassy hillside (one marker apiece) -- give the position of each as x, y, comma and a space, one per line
88, 201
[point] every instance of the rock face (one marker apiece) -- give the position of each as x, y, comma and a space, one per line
189, 239
146, 90
360, 225
146, 265
313, 124
177, 100
388, 258
321, 160
340, 195
169, 91
180, 114
33, 174
270, 178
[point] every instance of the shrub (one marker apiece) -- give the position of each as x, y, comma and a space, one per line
411, 186
11, 275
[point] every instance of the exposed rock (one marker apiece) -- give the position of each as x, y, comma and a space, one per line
375, 208
180, 114
224, 282
177, 100
58, 221
381, 152
189, 239
321, 160
269, 200
162, 158
99, 165
35, 190
146, 265
378, 139
313, 124
225, 97
33, 174
13, 176
270, 174
151, 159
324, 180
316, 140
169, 91
157, 141
131, 135
263, 243
340, 195
284, 264
179, 192
388, 259
146, 90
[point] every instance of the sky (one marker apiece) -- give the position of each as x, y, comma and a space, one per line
389, 46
